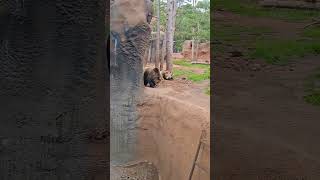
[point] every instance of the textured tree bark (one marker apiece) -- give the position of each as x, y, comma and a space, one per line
157, 64
53, 90
171, 14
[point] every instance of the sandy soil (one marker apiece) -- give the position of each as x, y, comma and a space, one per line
263, 127
172, 118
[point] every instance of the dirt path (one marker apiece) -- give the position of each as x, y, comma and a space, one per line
284, 28
263, 126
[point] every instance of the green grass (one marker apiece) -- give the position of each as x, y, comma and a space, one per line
313, 89
255, 42
237, 32
281, 52
313, 98
251, 9
312, 32
207, 91
185, 63
190, 75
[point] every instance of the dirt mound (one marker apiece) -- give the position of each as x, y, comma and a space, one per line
169, 134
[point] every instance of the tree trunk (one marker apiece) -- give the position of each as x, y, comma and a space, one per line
197, 51
158, 37
171, 14
163, 52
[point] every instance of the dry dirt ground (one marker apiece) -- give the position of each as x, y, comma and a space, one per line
263, 128
172, 118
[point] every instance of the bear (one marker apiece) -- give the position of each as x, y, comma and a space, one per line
151, 76
166, 75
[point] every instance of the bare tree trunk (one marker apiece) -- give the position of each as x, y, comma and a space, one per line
192, 49
170, 32
163, 52
153, 51
197, 43
158, 37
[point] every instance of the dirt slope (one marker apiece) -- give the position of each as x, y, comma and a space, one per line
171, 121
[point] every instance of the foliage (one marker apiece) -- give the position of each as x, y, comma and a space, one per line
187, 18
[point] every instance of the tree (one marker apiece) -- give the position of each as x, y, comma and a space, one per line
171, 20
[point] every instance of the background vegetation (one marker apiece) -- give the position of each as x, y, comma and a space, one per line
188, 17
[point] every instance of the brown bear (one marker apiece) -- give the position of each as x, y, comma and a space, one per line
166, 75
151, 76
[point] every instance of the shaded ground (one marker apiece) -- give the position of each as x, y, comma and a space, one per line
263, 125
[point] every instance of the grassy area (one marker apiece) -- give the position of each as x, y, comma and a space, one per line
313, 89
281, 51
249, 8
183, 62
190, 74
312, 32
207, 91
278, 51
256, 43
233, 33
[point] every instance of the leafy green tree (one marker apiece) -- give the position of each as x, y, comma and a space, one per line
188, 18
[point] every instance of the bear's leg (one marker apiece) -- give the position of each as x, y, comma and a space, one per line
145, 82
152, 83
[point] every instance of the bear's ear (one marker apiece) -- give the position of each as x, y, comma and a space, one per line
156, 70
